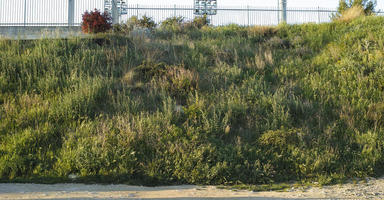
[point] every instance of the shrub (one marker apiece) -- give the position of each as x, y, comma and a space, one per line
145, 25
119, 28
144, 22
351, 14
200, 22
147, 22
368, 6
178, 25
172, 24
96, 22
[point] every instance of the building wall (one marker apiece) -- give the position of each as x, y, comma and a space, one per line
36, 32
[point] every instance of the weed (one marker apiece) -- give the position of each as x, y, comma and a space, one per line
196, 104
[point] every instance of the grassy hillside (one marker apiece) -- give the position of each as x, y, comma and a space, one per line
211, 106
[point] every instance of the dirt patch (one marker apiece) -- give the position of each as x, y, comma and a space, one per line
369, 189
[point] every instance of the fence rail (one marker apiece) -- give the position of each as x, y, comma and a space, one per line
241, 15
55, 13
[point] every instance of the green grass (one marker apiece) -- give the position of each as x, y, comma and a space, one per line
217, 105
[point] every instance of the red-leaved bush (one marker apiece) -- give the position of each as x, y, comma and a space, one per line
96, 22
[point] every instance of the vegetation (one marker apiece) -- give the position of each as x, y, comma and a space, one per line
143, 25
172, 25
96, 22
351, 14
216, 105
367, 5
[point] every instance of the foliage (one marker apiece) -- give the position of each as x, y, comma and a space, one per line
96, 22
216, 105
178, 25
173, 24
200, 22
144, 22
134, 23
367, 5
351, 14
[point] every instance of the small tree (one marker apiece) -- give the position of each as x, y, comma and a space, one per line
367, 5
96, 22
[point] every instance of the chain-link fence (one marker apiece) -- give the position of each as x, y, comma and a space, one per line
56, 13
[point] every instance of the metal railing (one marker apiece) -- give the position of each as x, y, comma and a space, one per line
44, 12
55, 13
235, 15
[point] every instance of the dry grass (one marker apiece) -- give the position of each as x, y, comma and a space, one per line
179, 80
128, 78
262, 30
261, 60
268, 56
351, 14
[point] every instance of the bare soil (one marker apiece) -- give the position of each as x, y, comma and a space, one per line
368, 189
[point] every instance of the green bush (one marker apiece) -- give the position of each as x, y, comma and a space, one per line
143, 22
173, 24
200, 22
134, 23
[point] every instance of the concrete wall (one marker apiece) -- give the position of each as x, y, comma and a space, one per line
36, 32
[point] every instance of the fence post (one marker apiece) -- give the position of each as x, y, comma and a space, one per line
137, 10
278, 11
318, 14
25, 12
283, 10
71, 12
248, 15
115, 13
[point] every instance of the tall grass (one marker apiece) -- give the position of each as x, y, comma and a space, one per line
216, 105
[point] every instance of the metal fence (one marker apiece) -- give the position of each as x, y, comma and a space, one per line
55, 13
43, 12
245, 15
